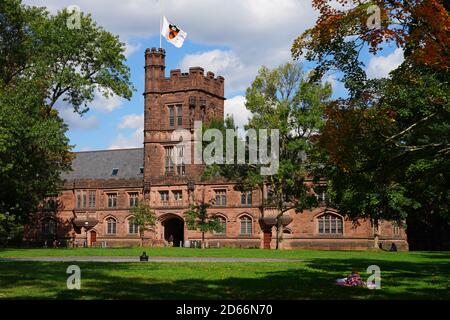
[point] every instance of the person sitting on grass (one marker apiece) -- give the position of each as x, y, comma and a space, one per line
352, 280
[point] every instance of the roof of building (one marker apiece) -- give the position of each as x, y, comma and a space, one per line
107, 164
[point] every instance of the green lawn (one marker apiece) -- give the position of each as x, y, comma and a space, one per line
405, 275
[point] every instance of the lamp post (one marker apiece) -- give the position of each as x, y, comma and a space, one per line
86, 224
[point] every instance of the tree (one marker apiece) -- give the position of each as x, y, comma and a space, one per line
143, 217
72, 64
198, 218
282, 98
43, 63
10, 230
341, 33
386, 144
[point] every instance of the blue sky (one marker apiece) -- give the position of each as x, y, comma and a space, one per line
232, 38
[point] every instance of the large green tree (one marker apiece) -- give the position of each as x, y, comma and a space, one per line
284, 99
44, 62
143, 217
385, 147
198, 218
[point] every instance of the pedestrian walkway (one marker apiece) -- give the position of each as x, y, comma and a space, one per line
151, 259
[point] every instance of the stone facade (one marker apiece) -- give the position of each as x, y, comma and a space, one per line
93, 208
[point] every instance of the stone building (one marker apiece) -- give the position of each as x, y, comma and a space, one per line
93, 208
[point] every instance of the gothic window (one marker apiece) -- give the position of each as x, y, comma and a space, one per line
181, 168
202, 108
168, 160
171, 117
134, 198
111, 226
330, 224
179, 115
112, 200
221, 197
246, 225
80, 199
396, 229
133, 228
92, 194
178, 197
192, 101
246, 198
164, 196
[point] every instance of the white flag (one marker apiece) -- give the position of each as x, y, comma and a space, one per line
172, 33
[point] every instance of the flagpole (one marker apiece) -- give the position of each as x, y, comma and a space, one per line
160, 21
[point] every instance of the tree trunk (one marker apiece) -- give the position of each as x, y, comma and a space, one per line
203, 240
376, 236
277, 234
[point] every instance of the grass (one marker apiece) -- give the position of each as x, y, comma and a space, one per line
405, 275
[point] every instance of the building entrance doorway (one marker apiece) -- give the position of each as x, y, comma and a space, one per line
173, 230
92, 238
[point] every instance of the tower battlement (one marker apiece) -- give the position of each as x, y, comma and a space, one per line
194, 80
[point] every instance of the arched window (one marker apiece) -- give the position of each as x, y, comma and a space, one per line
133, 228
48, 227
246, 225
111, 226
223, 223
287, 231
330, 224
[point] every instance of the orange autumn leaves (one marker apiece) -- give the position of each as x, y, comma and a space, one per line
420, 26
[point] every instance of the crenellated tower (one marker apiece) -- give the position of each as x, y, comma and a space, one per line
172, 103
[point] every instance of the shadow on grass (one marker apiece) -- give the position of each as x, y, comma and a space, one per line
311, 280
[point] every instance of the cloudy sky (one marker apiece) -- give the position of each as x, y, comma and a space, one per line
232, 38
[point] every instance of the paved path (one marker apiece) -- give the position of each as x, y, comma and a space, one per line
151, 259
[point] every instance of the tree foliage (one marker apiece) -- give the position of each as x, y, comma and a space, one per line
386, 145
198, 218
42, 63
143, 217
282, 98
344, 28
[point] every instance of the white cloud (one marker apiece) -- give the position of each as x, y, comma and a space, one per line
131, 48
224, 63
379, 67
236, 107
254, 32
104, 104
135, 140
132, 121
75, 121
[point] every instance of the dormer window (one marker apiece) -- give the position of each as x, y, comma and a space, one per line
115, 172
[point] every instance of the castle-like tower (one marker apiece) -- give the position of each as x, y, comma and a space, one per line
174, 103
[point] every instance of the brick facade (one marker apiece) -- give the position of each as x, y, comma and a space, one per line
97, 210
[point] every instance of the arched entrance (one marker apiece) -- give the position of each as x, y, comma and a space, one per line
173, 229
